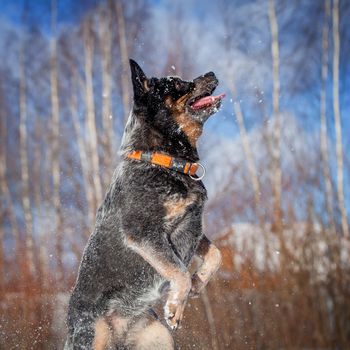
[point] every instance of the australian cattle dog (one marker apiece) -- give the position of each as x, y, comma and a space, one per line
149, 226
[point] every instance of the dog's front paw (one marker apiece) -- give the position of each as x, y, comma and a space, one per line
197, 286
173, 313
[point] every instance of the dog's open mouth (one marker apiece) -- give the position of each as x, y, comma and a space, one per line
206, 101
202, 103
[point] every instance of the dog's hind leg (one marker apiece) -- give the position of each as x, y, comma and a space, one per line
89, 332
119, 326
102, 335
84, 332
149, 334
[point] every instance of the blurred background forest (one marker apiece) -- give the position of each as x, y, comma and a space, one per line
277, 158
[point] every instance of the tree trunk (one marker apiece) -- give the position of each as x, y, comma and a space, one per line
7, 209
107, 121
124, 57
90, 115
39, 202
28, 219
248, 152
82, 152
324, 133
276, 151
55, 147
337, 119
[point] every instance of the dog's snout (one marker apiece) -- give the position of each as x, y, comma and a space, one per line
210, 75
213, 79
209, 78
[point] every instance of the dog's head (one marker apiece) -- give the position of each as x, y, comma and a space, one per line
173, 105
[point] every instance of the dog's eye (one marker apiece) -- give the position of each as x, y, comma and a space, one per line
178, 85
152, 82
183, 87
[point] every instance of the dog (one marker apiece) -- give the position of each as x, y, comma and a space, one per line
149, 226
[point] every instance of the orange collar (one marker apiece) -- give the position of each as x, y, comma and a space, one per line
169, 162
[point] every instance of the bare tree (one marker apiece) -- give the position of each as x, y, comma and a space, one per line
90, 112
29, 244
123, 57
55, 111
253, 174
105, 38
7, 208
249, 157
38, 162
337, 119
324, 133
82, 150
276, 151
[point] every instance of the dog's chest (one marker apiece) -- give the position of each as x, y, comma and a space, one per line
185, 197
176, 205
183, 219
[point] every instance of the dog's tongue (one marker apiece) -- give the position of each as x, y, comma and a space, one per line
207, 101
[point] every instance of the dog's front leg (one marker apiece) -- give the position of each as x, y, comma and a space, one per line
211, 262
163, 259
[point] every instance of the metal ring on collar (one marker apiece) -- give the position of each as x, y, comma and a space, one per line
201, 176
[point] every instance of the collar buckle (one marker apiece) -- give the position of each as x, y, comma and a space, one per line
202, 175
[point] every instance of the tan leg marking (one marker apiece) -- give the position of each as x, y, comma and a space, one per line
177, 206
192, 128
119, 327
102, 335
180, 282
153, 337
211, 263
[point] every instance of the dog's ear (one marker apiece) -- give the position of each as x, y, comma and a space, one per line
139, 80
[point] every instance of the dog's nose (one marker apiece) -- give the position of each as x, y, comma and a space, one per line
209, 75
